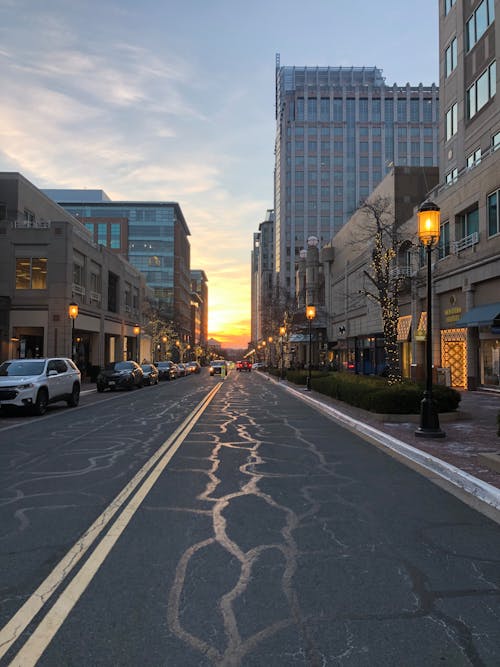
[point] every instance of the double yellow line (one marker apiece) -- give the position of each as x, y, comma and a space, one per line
141, 484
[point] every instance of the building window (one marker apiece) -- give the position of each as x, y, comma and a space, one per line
300, 108
450, 61
495, 141
448, 4
311, 108
102, 234
444, 240
474, 158
115, 235
31, 273
451, 176
451, 121
493, 221
324, 109
478, 23
482, 90
466, 224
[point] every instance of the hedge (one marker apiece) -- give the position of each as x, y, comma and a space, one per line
374, 394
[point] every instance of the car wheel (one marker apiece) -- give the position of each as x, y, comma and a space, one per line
40, 405
100, 388
75, 396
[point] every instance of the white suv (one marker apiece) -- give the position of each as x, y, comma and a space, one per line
34, 383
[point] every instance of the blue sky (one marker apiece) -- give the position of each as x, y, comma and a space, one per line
174, 101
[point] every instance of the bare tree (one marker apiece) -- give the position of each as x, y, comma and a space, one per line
385, 282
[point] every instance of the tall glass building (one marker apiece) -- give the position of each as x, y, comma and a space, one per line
157, 245
339, 130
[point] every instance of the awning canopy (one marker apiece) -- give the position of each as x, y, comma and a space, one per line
480, 315
302, 338
404, 326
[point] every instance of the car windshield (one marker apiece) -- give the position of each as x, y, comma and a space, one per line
146, 367
19, 368
218, 363
163, 364
119, 366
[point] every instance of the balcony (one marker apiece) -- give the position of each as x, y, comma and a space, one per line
78, 289
32, 224
466, 242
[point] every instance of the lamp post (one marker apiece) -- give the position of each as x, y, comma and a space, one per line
270, 353
73, 314
428, 234
310, 314
282, 334
137, 334
164, 341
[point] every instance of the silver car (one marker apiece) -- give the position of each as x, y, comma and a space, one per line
34, 383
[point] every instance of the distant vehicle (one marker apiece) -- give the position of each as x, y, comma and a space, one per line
182, 370
258, 365
243, 365
34, 383
120, 375
151, 375
217, 366
194, 367
167, 370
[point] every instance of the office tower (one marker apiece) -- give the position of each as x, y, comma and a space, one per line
339, 130
262, 297
157, 244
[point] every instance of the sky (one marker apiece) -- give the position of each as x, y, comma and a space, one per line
174, 101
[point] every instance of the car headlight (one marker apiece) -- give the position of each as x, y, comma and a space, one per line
25, 385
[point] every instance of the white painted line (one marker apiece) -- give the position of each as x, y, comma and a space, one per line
32, 650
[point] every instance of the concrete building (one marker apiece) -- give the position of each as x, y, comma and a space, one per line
156, 234
339, 131
263, 297
48, 260
467, 272
199, 309
354, 322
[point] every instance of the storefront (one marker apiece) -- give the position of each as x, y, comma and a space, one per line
482, 331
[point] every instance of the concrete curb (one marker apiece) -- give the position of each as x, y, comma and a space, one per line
480, 495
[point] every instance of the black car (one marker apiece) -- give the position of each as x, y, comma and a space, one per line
167, 370
151, 375
120, 375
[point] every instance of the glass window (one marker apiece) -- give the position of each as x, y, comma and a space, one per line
401, 111
414, 110
451, 176
451, 121
444, 240
493, 221
115, 235
482, 90
312, 108
363, 109
300, 108
102, 234
31, 273
466, 224
448, 4
325, 109
474, 158
478, 23
376, 110
338, 112
450, 57
495, 141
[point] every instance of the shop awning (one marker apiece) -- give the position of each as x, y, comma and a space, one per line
301, 338
404, 326
480, 316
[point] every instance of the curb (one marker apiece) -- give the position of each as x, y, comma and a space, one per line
479, 495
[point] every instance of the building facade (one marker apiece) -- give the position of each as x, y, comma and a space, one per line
263, 296
339, 130
156, 234
199, 308
48, 260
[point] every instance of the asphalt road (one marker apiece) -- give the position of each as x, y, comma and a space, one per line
204, 522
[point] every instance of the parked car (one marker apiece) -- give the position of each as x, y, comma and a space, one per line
34, 383
194, 367
258, 364
217, 366
120, 375
243, 365
151, 375
167, 370
182, 371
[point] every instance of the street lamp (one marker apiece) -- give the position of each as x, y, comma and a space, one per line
137, 333
428, 234
270, 341
164, 341
73, 314
282, 334
310, 314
